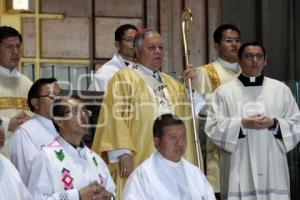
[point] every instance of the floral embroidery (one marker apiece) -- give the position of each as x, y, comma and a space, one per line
63, 196
60, 155
101, 179
95, 161
67, 179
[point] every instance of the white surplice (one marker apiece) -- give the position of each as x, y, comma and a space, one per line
255, 166
160, 179
60, 170
106, 72
14, 88
203, 85
11, 185
27, 142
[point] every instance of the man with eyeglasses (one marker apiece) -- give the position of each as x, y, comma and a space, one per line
38, 131
66, 168
255, 121
124, 37
205, 80
13, 85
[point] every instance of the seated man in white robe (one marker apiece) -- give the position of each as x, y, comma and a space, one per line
66, 168
166, 174
11, 185
38, 131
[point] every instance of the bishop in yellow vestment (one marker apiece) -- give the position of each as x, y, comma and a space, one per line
134, 99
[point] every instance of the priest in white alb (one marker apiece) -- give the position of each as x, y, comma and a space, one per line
37, 132
124, 37
14, 86
11, 185
255, 121
166, 174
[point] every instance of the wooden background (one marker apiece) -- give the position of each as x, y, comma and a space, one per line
87, 29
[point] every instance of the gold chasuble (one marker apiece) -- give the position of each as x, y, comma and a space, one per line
13, 99
127, 114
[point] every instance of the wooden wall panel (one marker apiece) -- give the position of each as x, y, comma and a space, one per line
273, 20
177, 47
31, 6
105, 34
294, 40
198, 36
78, 8
28, 25
68, 38
119, 8
166, 33
170, 29
152, 20
213, 21
243, 17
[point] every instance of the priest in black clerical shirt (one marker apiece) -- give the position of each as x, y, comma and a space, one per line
255, 121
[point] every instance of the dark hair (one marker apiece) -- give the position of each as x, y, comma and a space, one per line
120, 32
165, 120
243, 47
36, 88
7, 31
60, 107
218, 34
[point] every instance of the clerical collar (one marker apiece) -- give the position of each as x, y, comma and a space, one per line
228, 65
170, 163
251, 81
6, 72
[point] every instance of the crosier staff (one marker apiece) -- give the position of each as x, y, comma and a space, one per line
187, 15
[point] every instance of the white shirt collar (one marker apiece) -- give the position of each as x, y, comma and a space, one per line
228, 65
122, 59
74, 152
47, 123
6, 72
149, 71
169, 162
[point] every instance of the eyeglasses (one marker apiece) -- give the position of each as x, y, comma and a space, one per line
76, 111
231, 40
50, 96
250, 56
129, 40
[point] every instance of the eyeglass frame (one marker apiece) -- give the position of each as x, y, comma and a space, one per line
250, 56
50, 96
129, 40
74, 111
